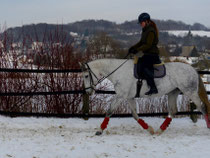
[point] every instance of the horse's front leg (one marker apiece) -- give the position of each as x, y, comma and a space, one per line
164, 125
132, 105
114, 104
172, 108
104, 123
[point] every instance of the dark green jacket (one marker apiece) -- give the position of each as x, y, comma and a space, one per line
148, 42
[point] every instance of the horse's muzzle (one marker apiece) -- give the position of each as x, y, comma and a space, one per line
90, 90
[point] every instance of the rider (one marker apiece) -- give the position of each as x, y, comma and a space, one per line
148, 45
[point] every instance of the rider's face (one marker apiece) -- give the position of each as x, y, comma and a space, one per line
143, 24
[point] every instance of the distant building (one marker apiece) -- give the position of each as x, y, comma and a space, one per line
189, 51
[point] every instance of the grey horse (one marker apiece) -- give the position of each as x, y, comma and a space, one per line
180, 77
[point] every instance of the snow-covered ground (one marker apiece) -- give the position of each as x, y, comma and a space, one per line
75, 138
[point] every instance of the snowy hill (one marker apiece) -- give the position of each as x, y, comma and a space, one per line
126, 33
183, 33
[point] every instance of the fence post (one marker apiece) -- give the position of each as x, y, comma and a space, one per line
85, 108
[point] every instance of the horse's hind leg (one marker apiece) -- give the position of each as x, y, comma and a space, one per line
197, 94
172, 109
200, 106
114, 104
132, 105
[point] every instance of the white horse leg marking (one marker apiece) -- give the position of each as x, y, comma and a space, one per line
132, 105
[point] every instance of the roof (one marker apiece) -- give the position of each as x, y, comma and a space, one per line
188, 51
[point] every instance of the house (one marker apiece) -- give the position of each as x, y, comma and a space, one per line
189, 51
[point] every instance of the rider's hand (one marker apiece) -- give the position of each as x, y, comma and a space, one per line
132, 50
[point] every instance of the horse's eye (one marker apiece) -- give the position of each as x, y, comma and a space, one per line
86, 76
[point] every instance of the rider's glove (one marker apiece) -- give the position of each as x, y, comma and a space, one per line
132, 50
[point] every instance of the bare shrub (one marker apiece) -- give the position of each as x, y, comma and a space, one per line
53, 51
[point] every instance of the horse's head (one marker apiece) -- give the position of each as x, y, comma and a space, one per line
88, 78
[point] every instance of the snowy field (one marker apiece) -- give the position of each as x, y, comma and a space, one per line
183, 33
75, 138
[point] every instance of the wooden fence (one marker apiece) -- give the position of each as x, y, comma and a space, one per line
85, 97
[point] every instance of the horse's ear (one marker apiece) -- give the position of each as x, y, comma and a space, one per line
82, 66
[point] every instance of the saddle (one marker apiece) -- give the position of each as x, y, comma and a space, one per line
159, 70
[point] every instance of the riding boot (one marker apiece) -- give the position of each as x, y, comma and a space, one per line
149, 76
153, 88
138, 88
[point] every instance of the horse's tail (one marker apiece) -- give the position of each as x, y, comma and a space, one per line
203, 96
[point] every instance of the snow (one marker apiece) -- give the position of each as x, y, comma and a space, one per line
183, 33
75, 138
74, 34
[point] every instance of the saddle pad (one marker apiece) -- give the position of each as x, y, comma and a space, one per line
159, 71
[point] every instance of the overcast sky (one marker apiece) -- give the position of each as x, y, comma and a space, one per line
21, 12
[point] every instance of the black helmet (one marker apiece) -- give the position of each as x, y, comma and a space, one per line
143, 17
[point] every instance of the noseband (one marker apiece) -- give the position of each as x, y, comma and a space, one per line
91, 74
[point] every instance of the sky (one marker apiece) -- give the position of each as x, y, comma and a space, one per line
21, 12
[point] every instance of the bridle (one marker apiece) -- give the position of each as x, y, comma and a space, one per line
92, 85
92, 74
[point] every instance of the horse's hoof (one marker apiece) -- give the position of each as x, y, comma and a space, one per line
98, 133
151, 130
159, 131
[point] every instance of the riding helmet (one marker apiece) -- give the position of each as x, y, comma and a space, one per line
143, 17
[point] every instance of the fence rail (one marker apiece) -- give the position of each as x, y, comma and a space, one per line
27, 114
41, 70
59, 71
58, 93
85, 112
